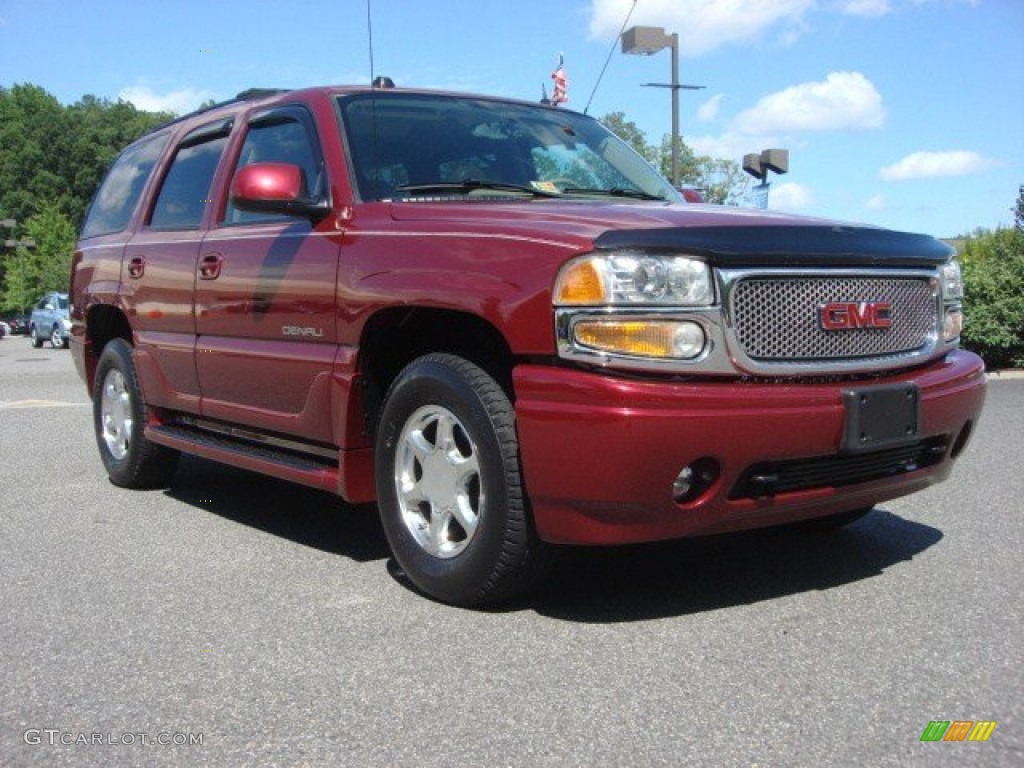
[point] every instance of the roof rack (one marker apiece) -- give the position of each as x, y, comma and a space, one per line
250, 94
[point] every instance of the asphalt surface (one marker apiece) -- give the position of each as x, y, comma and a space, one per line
267, 622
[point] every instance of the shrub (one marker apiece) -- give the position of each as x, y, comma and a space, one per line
993, 265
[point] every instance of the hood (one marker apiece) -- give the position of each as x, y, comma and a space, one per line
723, 235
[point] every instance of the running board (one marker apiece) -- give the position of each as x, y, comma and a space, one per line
317, 471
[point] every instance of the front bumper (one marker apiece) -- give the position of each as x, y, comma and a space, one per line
600, 453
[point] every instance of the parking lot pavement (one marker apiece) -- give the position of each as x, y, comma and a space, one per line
267, 623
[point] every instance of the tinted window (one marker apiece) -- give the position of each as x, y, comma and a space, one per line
119, 193
186, 188
279, 140
398, 139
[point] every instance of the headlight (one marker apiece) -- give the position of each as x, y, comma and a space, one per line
952, 281
634, 279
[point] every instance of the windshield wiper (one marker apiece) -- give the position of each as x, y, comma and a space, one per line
469, 185
613, 192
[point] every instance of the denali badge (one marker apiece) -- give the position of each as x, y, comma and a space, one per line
300, 330
850, 315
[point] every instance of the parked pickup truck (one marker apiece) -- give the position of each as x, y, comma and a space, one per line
498, 322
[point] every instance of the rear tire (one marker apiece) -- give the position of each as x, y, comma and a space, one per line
119, 418
449, 486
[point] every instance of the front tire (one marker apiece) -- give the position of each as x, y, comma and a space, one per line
449, 486
33, 337
57, 338
119, 418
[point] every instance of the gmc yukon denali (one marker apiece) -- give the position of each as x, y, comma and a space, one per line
500, 324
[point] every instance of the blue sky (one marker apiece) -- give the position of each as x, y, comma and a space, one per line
902, 113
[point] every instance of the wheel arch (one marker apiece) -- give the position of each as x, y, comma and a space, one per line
104, 322
395, 337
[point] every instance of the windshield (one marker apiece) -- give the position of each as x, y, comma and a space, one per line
406, 146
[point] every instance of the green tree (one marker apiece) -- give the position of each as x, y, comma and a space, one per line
628, 131
993, 265
722, 181
1018, 209
53, 153
46, 266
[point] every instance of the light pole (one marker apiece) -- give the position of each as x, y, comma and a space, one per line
646, 41
758, 165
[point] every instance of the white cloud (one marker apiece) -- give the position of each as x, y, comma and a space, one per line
732, 145
708, 111
178, 101
870, 8
876, 203
703, 25
790, 196
844, 101
930, 165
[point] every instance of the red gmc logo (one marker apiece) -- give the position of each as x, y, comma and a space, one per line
850, 315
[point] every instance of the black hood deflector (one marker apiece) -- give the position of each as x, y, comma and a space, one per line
787, 246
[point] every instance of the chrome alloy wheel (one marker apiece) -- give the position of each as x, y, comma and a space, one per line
116, 415
437, 480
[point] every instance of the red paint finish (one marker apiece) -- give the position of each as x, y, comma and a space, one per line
261, 320
600, 453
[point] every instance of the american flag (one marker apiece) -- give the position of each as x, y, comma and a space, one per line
561, 92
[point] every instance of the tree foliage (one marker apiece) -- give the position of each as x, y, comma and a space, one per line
993, 265
52, 158
1018, 209
722, 181
32, 272
53, 153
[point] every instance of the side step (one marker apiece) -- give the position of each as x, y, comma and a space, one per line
317, 471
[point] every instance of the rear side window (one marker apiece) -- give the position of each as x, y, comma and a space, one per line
119, 194
185, 191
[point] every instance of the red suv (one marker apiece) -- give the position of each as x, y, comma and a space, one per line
498, 322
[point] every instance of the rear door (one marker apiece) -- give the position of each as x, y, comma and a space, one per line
265, 298
159, 268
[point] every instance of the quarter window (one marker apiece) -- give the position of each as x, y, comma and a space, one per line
118, 195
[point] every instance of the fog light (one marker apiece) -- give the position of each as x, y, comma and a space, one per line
953, 325
694, 479
683, 483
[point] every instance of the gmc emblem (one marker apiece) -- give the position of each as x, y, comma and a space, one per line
851, 315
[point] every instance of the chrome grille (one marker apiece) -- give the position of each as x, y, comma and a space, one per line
776, 318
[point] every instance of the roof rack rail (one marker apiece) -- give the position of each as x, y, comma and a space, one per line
250, 94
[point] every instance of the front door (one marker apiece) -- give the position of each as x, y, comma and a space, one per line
265, 298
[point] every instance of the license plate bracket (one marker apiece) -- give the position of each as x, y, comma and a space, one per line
880, 417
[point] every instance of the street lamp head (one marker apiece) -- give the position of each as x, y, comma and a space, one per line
645, 41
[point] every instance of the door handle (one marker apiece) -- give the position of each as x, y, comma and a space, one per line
136, 267
209, 266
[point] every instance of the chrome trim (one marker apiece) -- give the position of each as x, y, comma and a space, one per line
724, 354
709, 318
933, 347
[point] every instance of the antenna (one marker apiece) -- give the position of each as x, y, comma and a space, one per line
369, 32
586, 109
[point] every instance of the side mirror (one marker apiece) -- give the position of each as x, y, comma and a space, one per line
275, 188
48, 307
